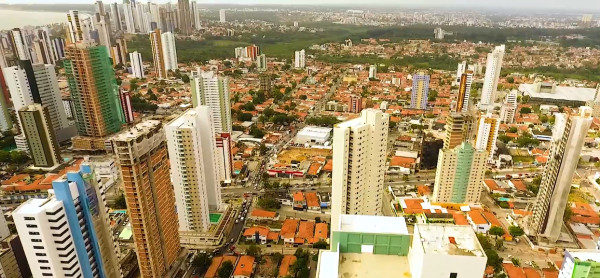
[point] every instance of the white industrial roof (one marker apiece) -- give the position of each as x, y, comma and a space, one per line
329, 263
315, 131
448, 239
373, 224
586, 254
560, 93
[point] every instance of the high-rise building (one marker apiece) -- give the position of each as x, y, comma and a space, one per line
595, 103
261, 62
68, 234
115, 17
355, 104
144, 165
185, 17
546, 221
79, 28
196, 15
359, 150
9, 266
224, 157
509, 108
222, 18
458, 129
580, 263
164, 54
373, 72
300, 59
191, 142
265, 83
5, 118
125, 99
252, 52
487, 134
37, 83
19, 47
101, 25
213, 91
119, 52
41, 139
137, 66
128, 16
460, 173
58, 47
462, 68
464, 92
492, 75
420, 91
94, 90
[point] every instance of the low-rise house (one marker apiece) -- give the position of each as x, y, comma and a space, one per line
259, 214
244, 268
288, 230
312, 201
286, 263
299, 201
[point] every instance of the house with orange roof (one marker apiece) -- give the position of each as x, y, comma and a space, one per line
328, 166
286, 263
306, 231
423, 190
216, 264
312, 201
518, 185
400, 163
321, 232
288, 230
244, 268
257, 234
513, 271
313, 170
459, 218
299, 200
492, 186
478, 221
259, 214
25, 183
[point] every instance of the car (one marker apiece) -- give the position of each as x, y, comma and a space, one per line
242, 218
237, 221
195, 271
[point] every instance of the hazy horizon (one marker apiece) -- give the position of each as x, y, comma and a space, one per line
573, 5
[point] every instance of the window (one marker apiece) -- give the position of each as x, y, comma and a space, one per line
453, 275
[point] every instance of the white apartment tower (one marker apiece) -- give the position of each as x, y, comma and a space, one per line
300, 59
459, 175
128, 17
196, 15
546, 222
79, 28
487, 134
191, 145
169, 51
595, 103
222, 18
137, 66
492, 75
462, 67
373, 72
509, 108
213, 91
359, 151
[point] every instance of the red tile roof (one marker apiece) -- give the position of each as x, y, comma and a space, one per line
288, 229
477, 217
306, 230
286, 262
311, 199
263, 213
244, 266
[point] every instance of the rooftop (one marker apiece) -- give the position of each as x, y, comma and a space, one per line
373, 224
315, 131
448, 239
560, 93
333, 264
138, 130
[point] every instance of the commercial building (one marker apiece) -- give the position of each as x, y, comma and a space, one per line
459, 175
137, 65
581, 263
67, 234
300, 59
464, 92
359, 151
549, 93
492, 75
213, 91
190, 139
509, 108
41, 139
164, 53
442, 250
94, 92
546, 221
458, 129
366, 246
144, 165
487, 134
420, 91
313, 134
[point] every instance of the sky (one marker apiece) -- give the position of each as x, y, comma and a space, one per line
514, 4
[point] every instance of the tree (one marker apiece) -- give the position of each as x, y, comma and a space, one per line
504, 138
513, 129
256, 132
120, 202
568, 212
202, 261
515, 231
525, 110
185, 78
303, 97
510, 79
225, 270
317, 219
268, 203
496, 231
515, 261
262, 149
321, 244
248, 106
244, 117
253, 250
